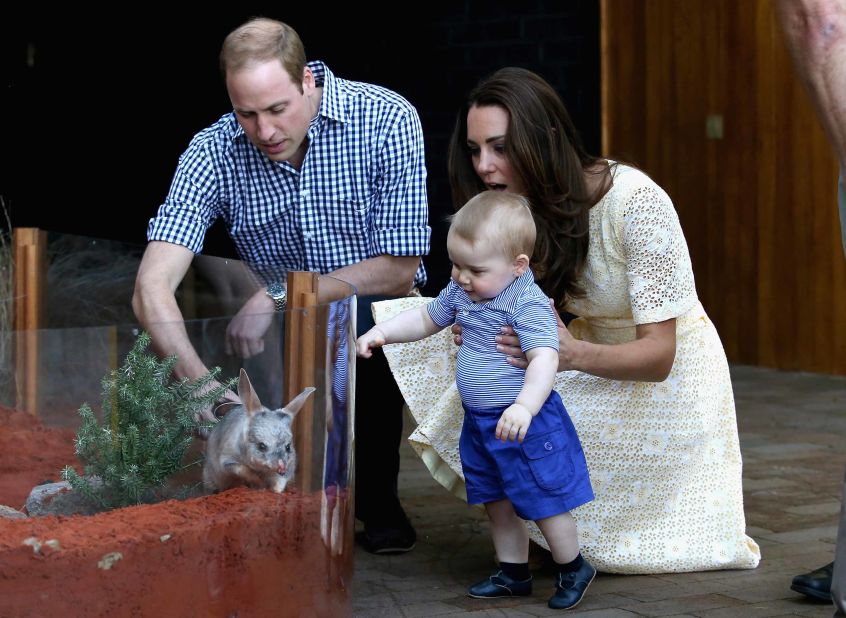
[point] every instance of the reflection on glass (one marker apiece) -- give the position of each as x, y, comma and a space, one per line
241, 550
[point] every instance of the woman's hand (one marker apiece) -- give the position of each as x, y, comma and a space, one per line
508, 343
649, 358
568, 347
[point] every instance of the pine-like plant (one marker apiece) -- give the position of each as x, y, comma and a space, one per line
148, 425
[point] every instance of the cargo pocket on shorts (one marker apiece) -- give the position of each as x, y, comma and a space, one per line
549, 459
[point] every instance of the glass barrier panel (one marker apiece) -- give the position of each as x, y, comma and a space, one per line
112, 503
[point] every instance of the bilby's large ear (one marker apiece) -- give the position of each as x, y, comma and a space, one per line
297, 402
248, 395
223, 408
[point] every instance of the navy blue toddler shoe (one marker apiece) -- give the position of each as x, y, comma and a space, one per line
500, 585
571, 587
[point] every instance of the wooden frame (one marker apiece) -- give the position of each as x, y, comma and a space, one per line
29, 246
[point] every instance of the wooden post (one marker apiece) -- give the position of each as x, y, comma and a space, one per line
30, 281
302, 334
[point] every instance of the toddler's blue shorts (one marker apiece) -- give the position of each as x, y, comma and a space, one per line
545, 475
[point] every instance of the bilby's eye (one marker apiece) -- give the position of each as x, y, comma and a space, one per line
288, 447
262, 447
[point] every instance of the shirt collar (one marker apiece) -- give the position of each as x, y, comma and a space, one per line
507, 299
331, 103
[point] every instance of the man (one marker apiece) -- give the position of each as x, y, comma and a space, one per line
815, 31
309, 172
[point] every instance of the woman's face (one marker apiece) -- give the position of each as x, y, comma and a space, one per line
486, 129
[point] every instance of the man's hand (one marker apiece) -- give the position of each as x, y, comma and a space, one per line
514, 423
215, 411
245, 333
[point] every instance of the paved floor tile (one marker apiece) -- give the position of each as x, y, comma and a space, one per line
792, 428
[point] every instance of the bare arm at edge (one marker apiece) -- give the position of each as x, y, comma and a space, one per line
815, 32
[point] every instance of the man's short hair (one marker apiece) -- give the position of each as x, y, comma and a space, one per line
261, 39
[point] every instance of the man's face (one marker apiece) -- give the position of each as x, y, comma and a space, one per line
270, 108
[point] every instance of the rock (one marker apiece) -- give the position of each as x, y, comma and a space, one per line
59, 499
50, 546
10, 513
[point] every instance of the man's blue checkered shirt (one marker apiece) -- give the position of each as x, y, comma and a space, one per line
361, 191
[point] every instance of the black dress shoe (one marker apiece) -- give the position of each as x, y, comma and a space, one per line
816, 584
570, 587
390, 539
500, 585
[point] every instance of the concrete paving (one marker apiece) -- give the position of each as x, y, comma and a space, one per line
793, 440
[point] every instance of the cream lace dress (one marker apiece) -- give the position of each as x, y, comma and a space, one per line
664, 458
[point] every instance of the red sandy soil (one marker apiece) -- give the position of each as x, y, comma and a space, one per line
30, 454
238, 554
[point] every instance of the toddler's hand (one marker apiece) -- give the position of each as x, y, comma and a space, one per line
374, 338
514, 423
456, 334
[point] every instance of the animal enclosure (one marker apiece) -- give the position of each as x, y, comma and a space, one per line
242, 551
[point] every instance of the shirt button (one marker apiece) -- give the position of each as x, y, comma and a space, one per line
308, 235
547, 445
304, 193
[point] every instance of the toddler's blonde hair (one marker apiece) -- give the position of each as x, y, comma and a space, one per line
502, 220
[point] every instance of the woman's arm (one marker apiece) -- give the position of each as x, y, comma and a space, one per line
649, 358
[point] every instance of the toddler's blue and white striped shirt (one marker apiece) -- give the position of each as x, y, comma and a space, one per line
483, 376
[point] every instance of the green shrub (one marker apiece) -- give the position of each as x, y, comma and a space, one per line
148, 425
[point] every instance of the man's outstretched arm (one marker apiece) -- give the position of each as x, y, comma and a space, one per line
154, 302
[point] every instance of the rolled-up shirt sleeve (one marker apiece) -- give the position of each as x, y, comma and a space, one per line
400, 218
189, 208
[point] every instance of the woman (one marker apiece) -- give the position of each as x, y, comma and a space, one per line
642, 369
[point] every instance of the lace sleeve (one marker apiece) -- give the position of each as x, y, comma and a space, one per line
659, 272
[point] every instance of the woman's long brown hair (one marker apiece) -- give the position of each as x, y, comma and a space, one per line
546, 152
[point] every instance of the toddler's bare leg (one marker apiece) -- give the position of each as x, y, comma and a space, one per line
561, 534
509, 532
